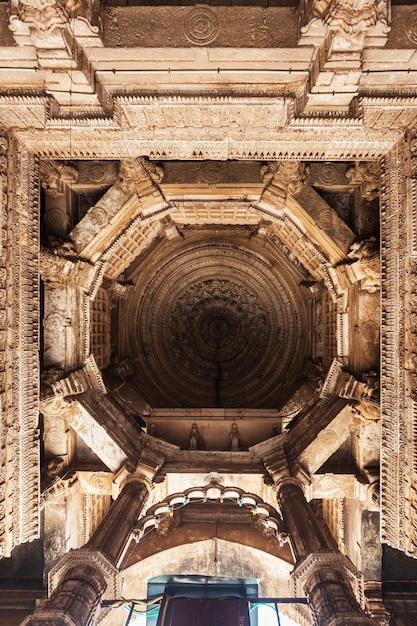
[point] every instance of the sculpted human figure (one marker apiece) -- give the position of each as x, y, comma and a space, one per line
194, 437
234, 438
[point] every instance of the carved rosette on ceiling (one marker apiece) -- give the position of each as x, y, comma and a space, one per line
217, 324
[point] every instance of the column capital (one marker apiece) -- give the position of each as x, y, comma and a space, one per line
334, 588
86, 556
284, 481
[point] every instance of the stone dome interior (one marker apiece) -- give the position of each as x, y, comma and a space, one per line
216, 319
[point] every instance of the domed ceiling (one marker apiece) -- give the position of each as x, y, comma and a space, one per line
217, 319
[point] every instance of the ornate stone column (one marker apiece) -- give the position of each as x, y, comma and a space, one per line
326, 576
83, 576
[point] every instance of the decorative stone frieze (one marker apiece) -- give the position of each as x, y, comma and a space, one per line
19, 372
397, 456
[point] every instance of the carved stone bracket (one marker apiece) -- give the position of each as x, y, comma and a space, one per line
273, 455
341, 383
137, 175
283, 177
342, 30
367, 177
84, 379
349, 23
54, 177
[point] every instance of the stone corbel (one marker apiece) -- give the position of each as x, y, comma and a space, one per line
54, 269
273, 455
120, 291
169, 228
141, 177
281, 178
342, 384
352, 25
366, 176
154, 454
340, 31
84, 379
54, 177
39, 24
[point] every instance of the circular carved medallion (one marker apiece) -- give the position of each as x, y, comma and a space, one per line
201, 26
411, 28
328, 173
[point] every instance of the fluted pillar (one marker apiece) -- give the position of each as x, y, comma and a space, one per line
82, 576
321, 571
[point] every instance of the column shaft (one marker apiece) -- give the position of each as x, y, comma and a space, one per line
305, 533
320, 568
76, 599
114, 531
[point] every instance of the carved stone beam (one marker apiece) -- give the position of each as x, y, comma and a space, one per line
122, 429
135, 199
318, 433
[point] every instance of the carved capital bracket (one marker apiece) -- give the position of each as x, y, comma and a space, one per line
84, 379
140, 176
120, 291
341, 31
152, 458
367, 177
92, 558
54, 177
59, 26
274, 457
281, 178
322, 576
342, 384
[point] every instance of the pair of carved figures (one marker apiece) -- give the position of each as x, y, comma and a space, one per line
196, 440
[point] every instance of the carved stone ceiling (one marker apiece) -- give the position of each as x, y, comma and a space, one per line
216, 319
